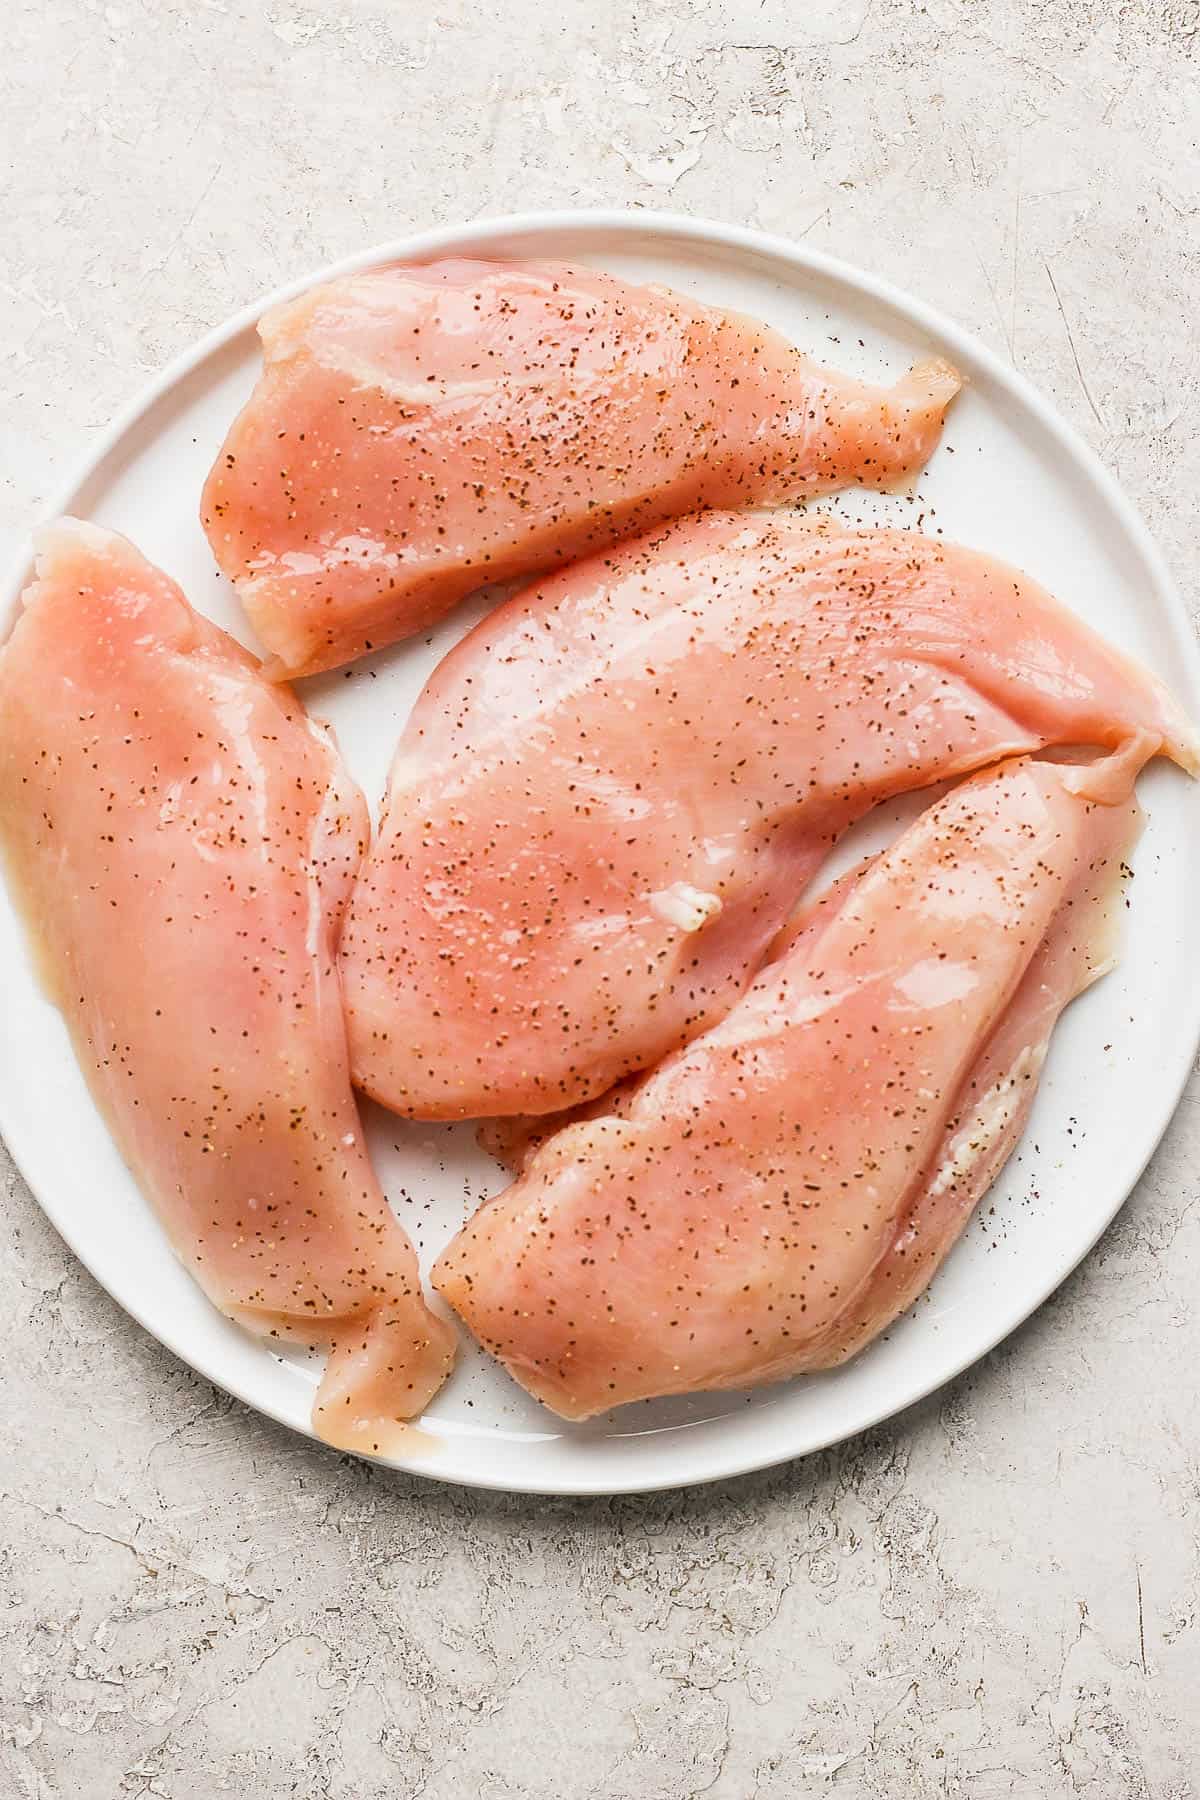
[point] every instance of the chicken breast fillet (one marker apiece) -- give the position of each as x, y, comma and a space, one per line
419, 431
772, 1196
612, 793
183, 840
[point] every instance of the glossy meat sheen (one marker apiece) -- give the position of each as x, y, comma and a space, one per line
514, 1140
774, 1195
183, 841
420, 431
610, 796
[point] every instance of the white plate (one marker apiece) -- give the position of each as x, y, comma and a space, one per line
1011, 479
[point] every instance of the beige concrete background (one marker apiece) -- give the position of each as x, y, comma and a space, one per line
997, 1595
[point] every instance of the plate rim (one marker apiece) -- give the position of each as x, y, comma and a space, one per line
477, 236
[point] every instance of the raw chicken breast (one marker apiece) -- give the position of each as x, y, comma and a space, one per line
513, 1141
774, 1195
420, 431
183, 842
612, 793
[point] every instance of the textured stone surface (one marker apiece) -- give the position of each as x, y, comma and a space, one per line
999, 1594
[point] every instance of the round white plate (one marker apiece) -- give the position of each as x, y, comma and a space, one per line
1009, 478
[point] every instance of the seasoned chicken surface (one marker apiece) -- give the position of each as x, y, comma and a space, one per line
419, 431
775, 1194
183, 841
612, 793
